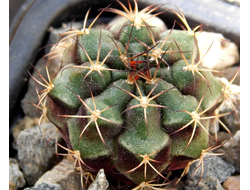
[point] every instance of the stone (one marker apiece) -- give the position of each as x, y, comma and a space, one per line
63, 174
54, 47
222, 136
45, 186
232, 183
35, 152
208, 183
222, 53
16, 178
24, 123
56, 32
232, 149
212, 166
100, 182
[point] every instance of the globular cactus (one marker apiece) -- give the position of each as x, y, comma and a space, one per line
132, 98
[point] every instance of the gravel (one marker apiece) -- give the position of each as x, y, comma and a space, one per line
16, 178
35, 152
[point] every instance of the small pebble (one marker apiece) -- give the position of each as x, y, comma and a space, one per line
45, 186
35, 152
63, 174
212, 166
25, 123
222, 53
100, 182
232, 183
232, 151
209, 183
16, 178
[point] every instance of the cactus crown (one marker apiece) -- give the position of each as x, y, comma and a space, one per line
132, 98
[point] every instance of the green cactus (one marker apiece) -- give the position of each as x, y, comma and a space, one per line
132, 98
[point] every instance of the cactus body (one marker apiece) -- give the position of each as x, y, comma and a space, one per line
128, 100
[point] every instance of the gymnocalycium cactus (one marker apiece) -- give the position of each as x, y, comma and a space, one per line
132, 98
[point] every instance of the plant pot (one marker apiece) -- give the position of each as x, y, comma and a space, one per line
29, 34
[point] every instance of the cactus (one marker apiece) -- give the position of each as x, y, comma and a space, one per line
132, 98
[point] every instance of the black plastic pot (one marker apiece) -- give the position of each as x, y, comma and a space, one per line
29, 30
